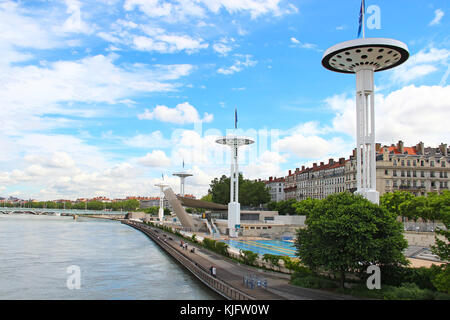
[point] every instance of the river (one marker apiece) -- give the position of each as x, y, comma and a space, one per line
46, 257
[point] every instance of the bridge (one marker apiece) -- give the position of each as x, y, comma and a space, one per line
64, 212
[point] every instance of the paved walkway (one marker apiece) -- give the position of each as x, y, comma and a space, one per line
278, 287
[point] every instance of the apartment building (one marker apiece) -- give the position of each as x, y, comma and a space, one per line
276, 188
416, 169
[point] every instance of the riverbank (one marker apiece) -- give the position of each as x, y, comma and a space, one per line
231, 275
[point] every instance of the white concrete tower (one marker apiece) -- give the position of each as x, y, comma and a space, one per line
234, 208
182, 176
364, 57
161, 200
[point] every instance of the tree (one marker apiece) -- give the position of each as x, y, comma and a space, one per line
284, 207
305, 207
251, 193
442, 247
347, 233
207, 198
392, 201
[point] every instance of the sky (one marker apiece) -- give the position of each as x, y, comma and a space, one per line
109, 97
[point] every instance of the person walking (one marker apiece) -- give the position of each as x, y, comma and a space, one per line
213, 271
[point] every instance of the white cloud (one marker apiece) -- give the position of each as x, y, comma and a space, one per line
308, 147
421, 64
157, 158
174, 11
438, 14
411, 114
152, 140
75, 23
221, 48
298, 44
182, 113
242, 62
166, 43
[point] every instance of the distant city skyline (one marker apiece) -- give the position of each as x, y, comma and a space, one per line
103, 98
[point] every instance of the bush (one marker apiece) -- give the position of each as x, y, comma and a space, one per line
307, 279
407, 291
272, 258
248, 257
216, 246
396, 276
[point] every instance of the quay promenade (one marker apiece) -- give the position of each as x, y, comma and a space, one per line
229, 280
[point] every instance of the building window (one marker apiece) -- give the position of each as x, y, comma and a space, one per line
403, 173
422, 163
386, 172
432, 174
395, 162
408, 163
403, 163
422, 174
414, 163
394, 173
443, 164
432, 164
414, 174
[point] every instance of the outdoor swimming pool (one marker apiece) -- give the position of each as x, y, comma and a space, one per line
278, 247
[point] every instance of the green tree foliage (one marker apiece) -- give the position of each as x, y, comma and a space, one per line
248, 257
207, 198
392, 201
347, 233
251, 193
441, 206
305, 207
284, 207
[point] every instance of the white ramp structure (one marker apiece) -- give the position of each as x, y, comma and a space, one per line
364, 57
234, 208
161, 200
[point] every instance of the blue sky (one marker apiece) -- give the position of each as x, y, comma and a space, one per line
103, 97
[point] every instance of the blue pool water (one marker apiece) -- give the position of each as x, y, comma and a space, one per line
282, 248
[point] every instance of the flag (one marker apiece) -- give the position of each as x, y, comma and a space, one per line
162, 176
183, 163
361, 17
235, 118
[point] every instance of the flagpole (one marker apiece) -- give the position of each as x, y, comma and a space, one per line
363, 19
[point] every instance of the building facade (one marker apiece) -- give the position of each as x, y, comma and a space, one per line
276, 188
417, 169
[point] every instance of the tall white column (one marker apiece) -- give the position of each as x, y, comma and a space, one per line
365, 134
234, 208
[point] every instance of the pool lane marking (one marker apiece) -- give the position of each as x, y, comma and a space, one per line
269, 247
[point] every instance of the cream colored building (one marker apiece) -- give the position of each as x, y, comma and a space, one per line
416, 169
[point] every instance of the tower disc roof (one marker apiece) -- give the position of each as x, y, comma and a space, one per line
232, 140
379, 53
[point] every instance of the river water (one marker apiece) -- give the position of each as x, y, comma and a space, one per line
41, 257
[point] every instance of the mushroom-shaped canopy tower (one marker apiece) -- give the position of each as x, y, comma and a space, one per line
234, 208
377, 53
364, 57
182, 176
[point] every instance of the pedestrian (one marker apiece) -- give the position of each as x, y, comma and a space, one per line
214, 271
211, 270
